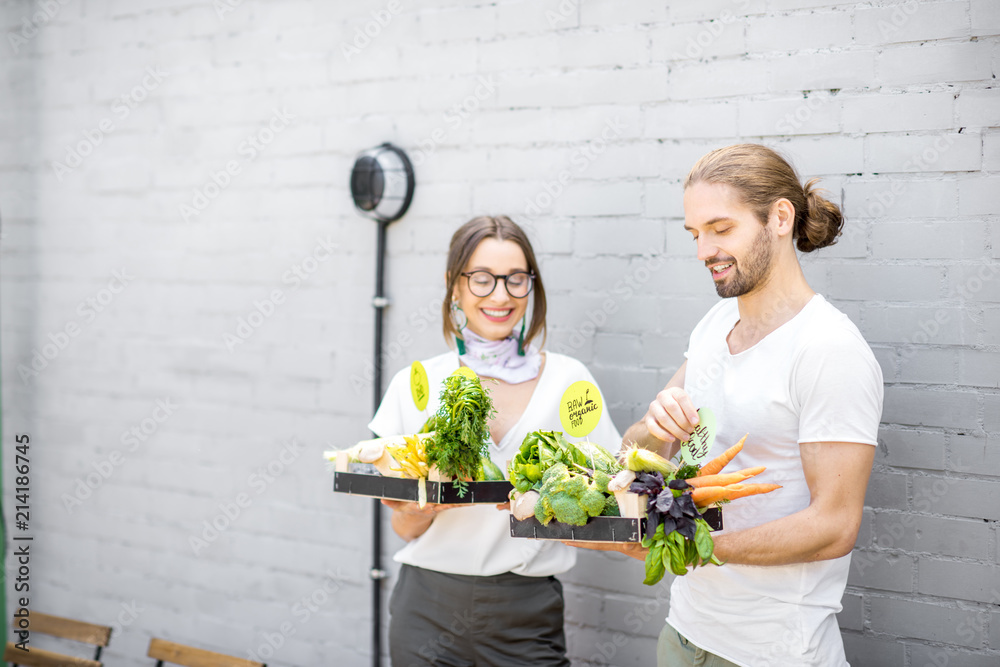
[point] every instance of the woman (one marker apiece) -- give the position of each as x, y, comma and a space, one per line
468, 593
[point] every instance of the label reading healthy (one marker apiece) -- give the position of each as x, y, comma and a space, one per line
695, 450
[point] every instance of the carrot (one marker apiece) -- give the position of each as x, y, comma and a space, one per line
750, 472
725, 478
707, 495
716, 465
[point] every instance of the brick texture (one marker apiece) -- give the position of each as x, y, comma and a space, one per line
202, 151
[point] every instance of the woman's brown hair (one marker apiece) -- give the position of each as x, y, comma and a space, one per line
464, 242
761, 177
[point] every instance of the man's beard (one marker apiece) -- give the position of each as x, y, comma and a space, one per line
751, 272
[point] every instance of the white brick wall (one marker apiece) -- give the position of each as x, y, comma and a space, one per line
894, 103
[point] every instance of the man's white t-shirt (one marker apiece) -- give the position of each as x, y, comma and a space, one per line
814, 379
475, 540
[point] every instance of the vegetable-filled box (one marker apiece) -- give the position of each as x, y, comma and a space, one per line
598, 528
578, 492
446, 462
437, 488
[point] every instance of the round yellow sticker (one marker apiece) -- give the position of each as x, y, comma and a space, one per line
419, 386
580, 408
467, 372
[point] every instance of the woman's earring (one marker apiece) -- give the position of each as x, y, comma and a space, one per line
520, 338
456, 310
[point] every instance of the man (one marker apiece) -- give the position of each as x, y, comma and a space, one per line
775, 360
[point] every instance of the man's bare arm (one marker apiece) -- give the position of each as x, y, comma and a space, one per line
837, 475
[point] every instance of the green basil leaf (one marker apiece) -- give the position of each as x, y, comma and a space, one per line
654, 565
703, 540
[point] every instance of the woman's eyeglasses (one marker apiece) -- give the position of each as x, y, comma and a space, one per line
482, 283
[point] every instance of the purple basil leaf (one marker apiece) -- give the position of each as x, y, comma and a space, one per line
664, 502
676, 510
686, 527
652, 521
679, 484
686, 504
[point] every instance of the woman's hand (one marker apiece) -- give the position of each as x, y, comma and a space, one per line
630, 549
410, 520
408, 508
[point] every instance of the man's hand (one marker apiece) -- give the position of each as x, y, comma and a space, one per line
670, 419
671, 416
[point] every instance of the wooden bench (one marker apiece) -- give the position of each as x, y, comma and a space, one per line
188, 656
95, 635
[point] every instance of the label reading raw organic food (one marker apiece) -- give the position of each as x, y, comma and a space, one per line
419, 388
580, 408
695, 450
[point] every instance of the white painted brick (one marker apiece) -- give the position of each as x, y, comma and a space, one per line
910, 283
584, 87
932, 62
991, 151
615, 237
912, 449
455, 23
601, 13
979, 195
785, 5
929, 367
912, 407
985, 17
596, 160
889, 113
664, 200
682, 120
817, 71
815, 156
716, 79
911, 22
722, 36
979, 108
373, 62
913, 153
928, 240
799, 32
710, 10
898, 198
530, 126
600, 199
975, 283
627, 48
534, 16
818, 113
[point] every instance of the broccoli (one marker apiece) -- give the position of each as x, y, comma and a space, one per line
543, 510
567, 509
601, 480
611, 507
570, 498
555, 473
575, 485
592, 501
